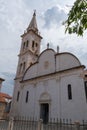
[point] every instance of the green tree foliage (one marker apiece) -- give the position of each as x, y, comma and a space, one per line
77, 18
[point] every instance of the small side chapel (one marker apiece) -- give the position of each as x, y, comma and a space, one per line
48, 84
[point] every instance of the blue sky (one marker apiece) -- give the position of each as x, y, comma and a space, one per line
15, 16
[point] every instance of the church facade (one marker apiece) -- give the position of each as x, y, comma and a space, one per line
48, 84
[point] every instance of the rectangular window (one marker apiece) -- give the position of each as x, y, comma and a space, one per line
27, 94
18, 96
69, 92
86, 89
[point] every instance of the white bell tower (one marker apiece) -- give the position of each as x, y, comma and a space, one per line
30, 47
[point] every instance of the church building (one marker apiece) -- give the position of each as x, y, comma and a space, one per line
48, 84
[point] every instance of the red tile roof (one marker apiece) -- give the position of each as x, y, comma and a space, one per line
4, 96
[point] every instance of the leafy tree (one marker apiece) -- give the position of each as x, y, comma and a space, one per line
77, 18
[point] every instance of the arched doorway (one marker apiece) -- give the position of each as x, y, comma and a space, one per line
44, 106
44, 112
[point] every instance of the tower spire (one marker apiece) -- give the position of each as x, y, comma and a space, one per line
33, 23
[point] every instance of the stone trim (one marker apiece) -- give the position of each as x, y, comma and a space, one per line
33, 32
44, 101
53, 74
68, 54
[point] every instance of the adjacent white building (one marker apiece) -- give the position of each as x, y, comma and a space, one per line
48, 84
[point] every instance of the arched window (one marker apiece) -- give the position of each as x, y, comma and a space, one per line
20, 68
24, 66
27, 95
18, 94
33, 44
27, 43
36, 45
86, 89
24, 45
69, 92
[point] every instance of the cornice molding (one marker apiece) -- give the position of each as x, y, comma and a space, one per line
56, 75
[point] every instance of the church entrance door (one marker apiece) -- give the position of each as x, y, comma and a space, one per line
44, 112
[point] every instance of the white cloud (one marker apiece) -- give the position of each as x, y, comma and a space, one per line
65, 2
55, 15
